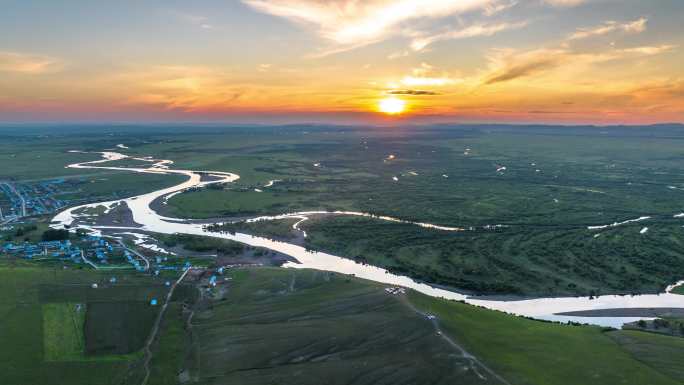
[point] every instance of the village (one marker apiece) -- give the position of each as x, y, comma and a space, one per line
111, 254
21, 200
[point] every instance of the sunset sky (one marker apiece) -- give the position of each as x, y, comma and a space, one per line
338, 61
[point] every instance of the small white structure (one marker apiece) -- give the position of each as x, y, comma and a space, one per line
395, 290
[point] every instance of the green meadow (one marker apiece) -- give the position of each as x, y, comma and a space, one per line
288, 326
291, 326
52, 323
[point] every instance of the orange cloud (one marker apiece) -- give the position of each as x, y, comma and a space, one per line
421, 42
636, 26
28, 64
507, 65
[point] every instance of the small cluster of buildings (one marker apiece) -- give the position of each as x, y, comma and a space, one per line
64, 250
28, 199
214, 278
133, 261
78, 251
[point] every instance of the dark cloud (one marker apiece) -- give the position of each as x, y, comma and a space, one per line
411, 92
531, 67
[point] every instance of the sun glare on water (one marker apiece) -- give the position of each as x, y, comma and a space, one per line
392, 106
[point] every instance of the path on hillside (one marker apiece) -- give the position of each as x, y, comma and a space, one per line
157, 323
474, 361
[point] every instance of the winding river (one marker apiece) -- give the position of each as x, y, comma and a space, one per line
150, 221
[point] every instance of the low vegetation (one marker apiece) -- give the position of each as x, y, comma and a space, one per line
514, 260
296, 326
202, 244
63, 336
278, 229
679, 290
534, 352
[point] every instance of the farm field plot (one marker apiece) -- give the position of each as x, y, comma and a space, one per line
63, 335
45, 335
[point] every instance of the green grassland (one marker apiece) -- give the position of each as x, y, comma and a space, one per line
170, 350
532, 352
63, 331
44, 339
278, 229
659, 352
298, 326
525, 261
30, 232
111, 328
679, 290
202, 244
230, 203
623, 176
586, 176
288, 326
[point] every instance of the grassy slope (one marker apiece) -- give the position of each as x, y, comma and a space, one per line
288, 326
663, 353
530, 352
169, 352
296, 327
292, 326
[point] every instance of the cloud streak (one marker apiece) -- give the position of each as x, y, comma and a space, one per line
28, 64
636, 26
507, 65
427, 76
477, 30
493, 9
356, 23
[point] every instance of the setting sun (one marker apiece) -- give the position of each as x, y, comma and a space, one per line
392, 106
